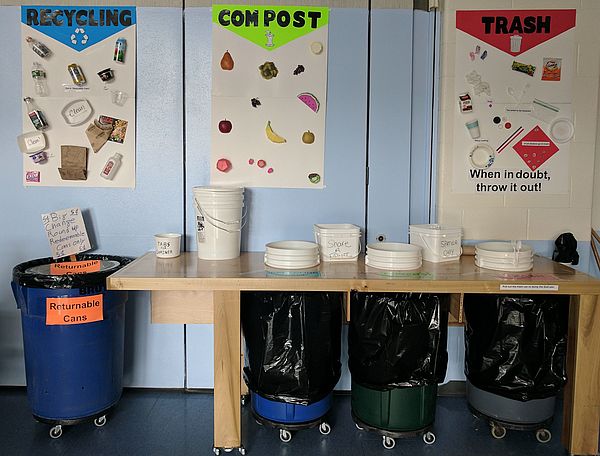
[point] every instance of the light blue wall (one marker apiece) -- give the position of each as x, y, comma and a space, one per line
122, 221
275, 214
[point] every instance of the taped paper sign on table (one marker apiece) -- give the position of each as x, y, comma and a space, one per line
516, 68
78, 79
269, 92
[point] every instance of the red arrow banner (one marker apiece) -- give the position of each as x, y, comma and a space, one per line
515, 31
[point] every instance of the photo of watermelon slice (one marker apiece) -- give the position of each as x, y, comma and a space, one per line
309, 100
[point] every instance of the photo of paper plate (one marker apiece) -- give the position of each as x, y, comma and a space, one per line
562, 130
77, 112
32, 142
482, 156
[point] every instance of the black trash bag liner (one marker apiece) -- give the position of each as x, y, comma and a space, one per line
515, 345
398, 340
36, 280
293, 344
566, 249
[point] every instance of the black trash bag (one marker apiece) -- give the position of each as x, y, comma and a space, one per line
293, 344
398, 340
46, 280
515, 345
566, 249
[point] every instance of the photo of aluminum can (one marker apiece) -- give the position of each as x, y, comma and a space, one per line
120, 47
76, 74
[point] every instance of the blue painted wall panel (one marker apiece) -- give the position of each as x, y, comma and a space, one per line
275, 214
390, 124
121, 221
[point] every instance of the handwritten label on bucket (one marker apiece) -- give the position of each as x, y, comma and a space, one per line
74, 311
75, 267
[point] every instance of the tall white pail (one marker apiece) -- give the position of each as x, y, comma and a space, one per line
218, 221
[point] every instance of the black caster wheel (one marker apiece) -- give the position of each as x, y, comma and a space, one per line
498, 431
543, 435
284, 435
429, 438
324, 428
100, 421
388, 443
56, 431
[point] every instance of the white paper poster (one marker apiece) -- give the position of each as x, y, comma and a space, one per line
78, 77
513, 125
269, 95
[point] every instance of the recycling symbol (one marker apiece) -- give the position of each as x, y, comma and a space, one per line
79, 34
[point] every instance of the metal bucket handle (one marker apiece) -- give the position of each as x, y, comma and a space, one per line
212, 219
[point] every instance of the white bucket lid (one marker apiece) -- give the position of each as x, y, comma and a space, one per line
502, 249
217, 189
393, 249
336, 228
292, 248
434, 228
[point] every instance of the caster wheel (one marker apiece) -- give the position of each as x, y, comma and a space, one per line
388, 443
358, 427
498, 432
285, 436
100, 421
324, 428
242, 451
543, 435
217, 451
429, 438
56, 431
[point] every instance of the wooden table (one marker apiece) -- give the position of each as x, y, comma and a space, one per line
186, 290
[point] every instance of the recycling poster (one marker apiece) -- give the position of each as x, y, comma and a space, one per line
269, 93
78, 79
513, 123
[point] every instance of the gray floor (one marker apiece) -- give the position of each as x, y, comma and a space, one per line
148, 422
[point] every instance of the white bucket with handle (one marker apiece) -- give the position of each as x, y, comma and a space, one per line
219, 221
439, 243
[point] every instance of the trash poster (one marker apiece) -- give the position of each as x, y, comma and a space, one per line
513, 123
78, 79
269, 93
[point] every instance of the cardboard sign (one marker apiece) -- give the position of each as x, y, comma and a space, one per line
74, 311
75, 267
66, 232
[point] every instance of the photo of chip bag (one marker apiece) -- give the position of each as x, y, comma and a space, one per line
523, 68
551, 70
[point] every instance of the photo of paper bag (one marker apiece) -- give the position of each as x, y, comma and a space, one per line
98, 134
73, 160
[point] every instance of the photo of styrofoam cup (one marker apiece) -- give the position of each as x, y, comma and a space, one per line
473, 127
515, 43
168, 245
119, 98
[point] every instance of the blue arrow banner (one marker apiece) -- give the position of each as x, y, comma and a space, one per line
78, 28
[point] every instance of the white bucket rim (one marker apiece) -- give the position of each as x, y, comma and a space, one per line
435, 229
292, 247
218, 189
168, 235
393, 249
336, 228
395, 266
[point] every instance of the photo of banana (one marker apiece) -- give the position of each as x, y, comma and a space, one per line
273, 137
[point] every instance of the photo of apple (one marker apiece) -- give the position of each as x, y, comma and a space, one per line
308, 137
225, 126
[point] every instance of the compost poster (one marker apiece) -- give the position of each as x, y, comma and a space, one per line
513, 122
78, 79
269, 91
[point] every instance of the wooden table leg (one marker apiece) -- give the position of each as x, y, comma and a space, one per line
227, 345
581, 412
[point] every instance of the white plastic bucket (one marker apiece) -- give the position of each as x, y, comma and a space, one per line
218, 221
439, 243
338, 241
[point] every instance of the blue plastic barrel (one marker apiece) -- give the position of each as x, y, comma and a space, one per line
284, 413
74, 370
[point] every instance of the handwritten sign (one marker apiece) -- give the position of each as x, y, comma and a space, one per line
66, 232
75, 267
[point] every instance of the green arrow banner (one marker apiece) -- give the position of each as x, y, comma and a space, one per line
270, 27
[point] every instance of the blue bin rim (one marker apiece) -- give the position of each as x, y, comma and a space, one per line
21, 278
